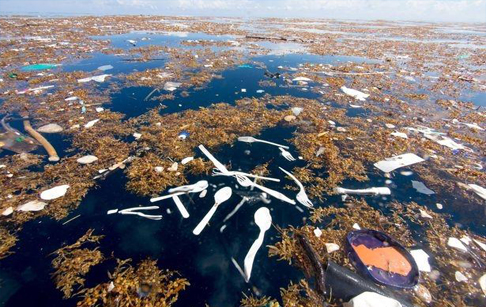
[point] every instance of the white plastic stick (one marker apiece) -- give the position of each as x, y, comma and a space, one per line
180, 206
152, 200
200, 227
250, 257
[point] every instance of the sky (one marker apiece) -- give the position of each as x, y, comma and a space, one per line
415, 10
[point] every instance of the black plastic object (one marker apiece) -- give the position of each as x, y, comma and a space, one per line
345, 284
374, 239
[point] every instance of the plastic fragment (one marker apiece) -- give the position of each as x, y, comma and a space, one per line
55, 192
422, 259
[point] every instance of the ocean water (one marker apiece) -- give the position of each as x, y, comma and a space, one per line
204, 260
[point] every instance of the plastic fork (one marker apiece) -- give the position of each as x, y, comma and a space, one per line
301, 196
250, 139
287, 155
232, 173
245, 182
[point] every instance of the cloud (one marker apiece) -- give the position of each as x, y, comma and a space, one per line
423, 10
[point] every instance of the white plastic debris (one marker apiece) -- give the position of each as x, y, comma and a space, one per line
354, 93
400, 134
370, 191
478, 190
425, 215
50, 128
448, 142
111, 286
7, 211
482, 283
301, 79
34, 205
55, 192
474, 126
318, 232
481, 244
421, 188
186, 160
159, 169
395, 162
372, 299
173, 167
422, 259
406, 173
243, 90
457, 244
99, 109
356, 226
171, 86
439, 206
460, 277
390, 126
137, 135
297, 110
331, 247
112, 211
203, 194
91, 123
105, 67
99, 78
87, 159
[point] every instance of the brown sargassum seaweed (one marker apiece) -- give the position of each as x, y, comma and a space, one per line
143, 286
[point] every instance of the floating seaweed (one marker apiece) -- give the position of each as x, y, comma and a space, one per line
72, 263
145, 285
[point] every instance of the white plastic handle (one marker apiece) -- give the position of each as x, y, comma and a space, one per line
250, 257
200, 227
180, 206
152, 200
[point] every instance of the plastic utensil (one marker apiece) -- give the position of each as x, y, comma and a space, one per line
245, 182
231, 173
139, 208
250, 139
150, 217
216, 163
180, 206
301, 196
191, 188
263, 219
287, 155
220, 197
373, 191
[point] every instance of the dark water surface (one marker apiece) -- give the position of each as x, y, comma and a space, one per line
204, 260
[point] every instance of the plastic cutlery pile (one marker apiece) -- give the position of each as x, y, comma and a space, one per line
262, 216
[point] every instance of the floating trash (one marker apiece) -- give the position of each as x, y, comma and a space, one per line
87, 159
34, 67
380, 257
50, 128
34, 205
55, 192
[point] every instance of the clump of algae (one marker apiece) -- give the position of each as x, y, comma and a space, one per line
73, 262
143, 286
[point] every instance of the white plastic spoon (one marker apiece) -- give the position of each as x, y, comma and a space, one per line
220, 197
264, 220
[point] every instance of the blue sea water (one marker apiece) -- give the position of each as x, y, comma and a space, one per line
204, 260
